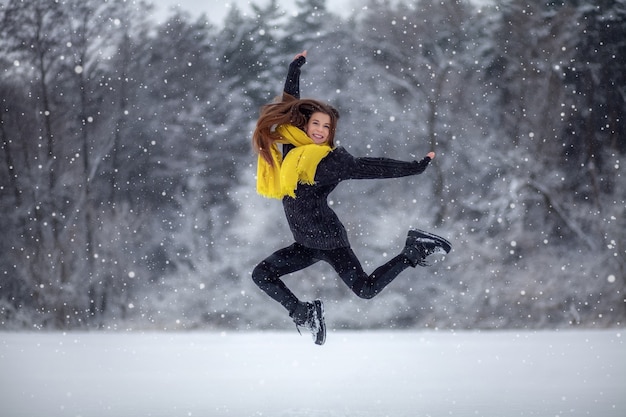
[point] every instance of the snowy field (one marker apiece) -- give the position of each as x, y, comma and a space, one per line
356, 374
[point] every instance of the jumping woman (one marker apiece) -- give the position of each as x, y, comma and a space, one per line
303, 175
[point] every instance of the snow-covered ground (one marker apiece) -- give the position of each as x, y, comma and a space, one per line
356, 374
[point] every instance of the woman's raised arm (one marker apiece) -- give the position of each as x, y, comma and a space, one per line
292, 83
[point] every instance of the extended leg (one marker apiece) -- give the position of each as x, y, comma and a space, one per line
266, 275
284, 261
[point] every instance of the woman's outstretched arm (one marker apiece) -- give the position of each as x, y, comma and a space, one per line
292, 83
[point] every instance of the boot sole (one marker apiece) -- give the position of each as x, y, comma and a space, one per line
320, 337
440, 241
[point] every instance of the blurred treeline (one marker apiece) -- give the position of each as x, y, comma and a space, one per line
127, 178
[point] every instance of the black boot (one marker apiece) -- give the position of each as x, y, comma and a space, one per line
311, 316
421, 244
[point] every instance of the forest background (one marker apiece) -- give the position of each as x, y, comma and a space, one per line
127, 177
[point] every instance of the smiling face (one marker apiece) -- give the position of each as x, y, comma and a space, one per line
318, 127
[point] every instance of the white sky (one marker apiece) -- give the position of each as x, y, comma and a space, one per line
216, 10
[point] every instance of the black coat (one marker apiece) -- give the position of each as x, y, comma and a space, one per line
313, 223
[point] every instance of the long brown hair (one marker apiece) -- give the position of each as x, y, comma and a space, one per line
289, 111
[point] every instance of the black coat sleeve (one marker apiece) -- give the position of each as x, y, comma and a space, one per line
292, 86
292, 83
339, 165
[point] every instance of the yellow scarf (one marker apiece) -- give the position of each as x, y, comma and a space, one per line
299, 165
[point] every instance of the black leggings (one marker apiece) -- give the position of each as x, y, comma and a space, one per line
296, 257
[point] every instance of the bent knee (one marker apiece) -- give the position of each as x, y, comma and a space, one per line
365, 295
364, 292
261, 274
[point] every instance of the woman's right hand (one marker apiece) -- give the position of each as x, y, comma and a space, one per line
303, 53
